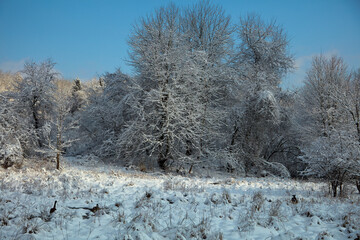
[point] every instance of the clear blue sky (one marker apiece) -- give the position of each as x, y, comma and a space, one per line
89, 37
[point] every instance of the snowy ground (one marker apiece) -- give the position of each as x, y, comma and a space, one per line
136, 205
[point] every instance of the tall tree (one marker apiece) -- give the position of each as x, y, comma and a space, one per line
261, 62
34, 95
158, 56
208, 31
178, 60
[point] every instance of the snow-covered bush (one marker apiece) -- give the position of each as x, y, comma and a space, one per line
335, 158
10, 151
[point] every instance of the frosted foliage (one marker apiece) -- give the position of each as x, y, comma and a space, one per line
34, 96
10, 135
335, 157
325, 95
330, 122
267, 106
263, 54
259, 118
208, 28
105, 117
175, 110
168, 113
176, 89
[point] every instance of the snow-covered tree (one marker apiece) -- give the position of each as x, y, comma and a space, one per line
263, 57
40, 105
104, 119
162, 60
354, 110
172, 99
78, 96
261, 62
58, 131
322, 84
329, 122
208, 31
34, 96
335, 157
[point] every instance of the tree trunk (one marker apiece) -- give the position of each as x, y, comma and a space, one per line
204, 115
58, 160
163, 154
233, 137
58, 143
334, 186
164, 147
36, 126
191, 167
188, 148
341, 187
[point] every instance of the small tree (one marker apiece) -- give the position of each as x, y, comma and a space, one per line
59, 131
78, 96
63, 122
329, 122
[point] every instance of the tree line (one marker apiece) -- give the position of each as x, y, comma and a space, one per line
205, 93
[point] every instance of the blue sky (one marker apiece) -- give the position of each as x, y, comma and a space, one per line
89, 37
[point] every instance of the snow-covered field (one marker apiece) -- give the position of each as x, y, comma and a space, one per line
137, 205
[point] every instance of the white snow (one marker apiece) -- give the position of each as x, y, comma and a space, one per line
137, 205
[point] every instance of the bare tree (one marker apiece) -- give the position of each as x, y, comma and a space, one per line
62, 122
